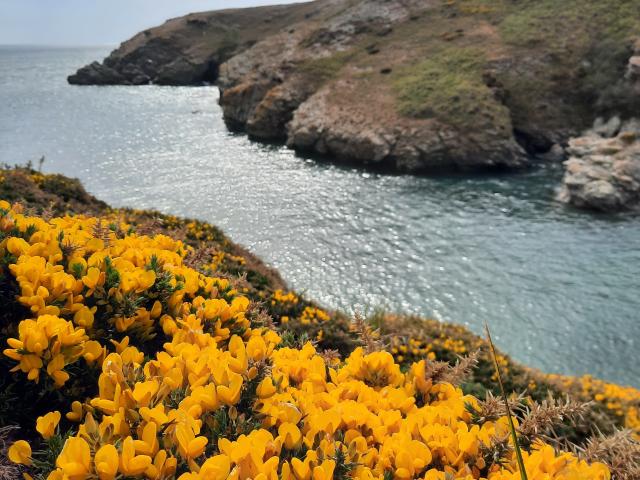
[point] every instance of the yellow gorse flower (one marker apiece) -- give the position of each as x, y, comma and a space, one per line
222, 399
46, 425
106, 462
74, 461
20, 452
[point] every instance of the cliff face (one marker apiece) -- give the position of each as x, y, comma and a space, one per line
603, 170
406, 85
189, 50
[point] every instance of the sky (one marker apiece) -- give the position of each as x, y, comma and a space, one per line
95, 22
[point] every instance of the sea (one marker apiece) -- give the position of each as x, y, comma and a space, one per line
559, 288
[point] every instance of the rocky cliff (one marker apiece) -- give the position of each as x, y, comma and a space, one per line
189, 50
603, 170
406, 85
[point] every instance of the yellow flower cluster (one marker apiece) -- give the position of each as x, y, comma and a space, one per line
411, 349
199, 230
158, 411
316, 422
79, 288
280, 297
289, 307
622, 401
218, 258
220, 399
445, 341
52, 340
313, 315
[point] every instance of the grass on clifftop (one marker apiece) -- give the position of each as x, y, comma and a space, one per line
323, 69
558, 24
586, 42
557, 63
448, 85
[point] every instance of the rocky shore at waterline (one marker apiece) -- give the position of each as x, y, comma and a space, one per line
603, 169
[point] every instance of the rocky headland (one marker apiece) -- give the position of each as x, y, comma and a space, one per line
402, 85
188, 50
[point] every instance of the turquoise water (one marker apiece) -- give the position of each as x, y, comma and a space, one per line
559, 288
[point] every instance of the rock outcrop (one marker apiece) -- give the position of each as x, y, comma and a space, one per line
350, 133
189, 50
603, 171
97, 73
304, 86
406, 85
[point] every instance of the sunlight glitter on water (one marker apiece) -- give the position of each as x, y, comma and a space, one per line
559, 287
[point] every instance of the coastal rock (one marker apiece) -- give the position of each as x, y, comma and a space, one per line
604, 173
299, 85
189, 50
348, 133
633, 65
633, 68
270, 117
607, 129
259, 92
239, 102
96, 74
555, 154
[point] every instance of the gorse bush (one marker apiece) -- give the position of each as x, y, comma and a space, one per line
144, 346
219, 398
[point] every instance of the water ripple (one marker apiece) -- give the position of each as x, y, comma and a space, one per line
559, 288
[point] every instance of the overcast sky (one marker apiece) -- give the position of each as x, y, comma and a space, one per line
95, 22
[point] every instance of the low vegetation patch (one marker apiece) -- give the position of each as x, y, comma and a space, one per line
323, 69
561, 24
448, 85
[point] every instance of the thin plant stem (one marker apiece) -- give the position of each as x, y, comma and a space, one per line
512, 428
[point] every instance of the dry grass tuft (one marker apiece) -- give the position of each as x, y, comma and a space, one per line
492, 407
619, 451
444, 372
330, 357
199, 257
151, 227
68, 248
368, 337
102, 232
262, 317
541, 418
48, 212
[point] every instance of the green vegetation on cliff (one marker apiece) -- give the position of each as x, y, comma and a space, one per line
448, 85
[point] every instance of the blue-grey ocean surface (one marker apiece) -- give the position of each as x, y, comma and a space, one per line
559, 288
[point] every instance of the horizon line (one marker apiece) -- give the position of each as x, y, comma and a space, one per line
58, 45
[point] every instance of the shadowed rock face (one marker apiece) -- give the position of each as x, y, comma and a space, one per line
189, 50
405, 85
